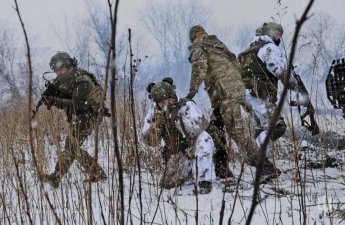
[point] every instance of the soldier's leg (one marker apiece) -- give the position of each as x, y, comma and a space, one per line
203, 167
84, 127
64, 162
263, 110
239, 129
217, 132
175, 172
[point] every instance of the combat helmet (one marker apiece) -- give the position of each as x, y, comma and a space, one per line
194, 31
162, 90
268, 29
62, 60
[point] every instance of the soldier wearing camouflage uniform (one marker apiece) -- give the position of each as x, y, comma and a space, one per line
188, 147
213, 64
79, 94
263, 65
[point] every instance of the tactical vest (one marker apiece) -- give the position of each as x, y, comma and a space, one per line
66, 85
95, 93
223, 73
212, 45
255, 74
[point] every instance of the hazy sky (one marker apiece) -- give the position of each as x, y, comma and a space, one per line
41, 17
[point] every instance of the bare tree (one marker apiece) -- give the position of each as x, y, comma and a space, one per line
243, 36
169, 24
326, 39
11, 80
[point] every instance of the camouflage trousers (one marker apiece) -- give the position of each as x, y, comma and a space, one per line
262, 111
236, 126
199, 166
81, 127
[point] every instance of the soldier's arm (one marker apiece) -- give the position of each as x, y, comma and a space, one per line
199, 69
276, 63
193, 119
82, 88
61, 103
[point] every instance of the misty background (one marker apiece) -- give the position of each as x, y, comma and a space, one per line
159, 38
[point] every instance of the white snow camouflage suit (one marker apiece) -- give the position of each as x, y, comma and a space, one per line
182, 152
263, 105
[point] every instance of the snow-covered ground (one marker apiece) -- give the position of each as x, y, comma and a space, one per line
301, 195
314, 195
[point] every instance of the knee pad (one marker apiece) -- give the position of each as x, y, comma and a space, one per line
279, 129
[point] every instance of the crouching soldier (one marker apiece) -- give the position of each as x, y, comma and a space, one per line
188, 147
79, 94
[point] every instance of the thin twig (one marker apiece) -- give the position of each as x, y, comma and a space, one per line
136, 141
113, 108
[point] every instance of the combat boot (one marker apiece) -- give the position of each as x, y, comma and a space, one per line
222, 170
204, 187
220, 159
52, 179
269, 172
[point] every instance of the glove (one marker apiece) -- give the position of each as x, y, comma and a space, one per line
61, 103
189, 153
302, 99
48, 100
182, 102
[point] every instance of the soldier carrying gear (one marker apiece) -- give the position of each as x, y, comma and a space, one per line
187, 145
263, 65
79, 95
215, 65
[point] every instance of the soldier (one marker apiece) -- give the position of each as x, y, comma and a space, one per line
263, 65
213, 64
79, 94
188, 147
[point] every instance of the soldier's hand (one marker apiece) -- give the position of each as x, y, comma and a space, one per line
190, 152
302, 99
48, 100
182, 102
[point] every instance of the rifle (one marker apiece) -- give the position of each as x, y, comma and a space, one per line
49, 91
312, 127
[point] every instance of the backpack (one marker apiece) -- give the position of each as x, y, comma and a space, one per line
255, 75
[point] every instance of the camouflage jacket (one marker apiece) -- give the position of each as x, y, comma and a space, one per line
213, 63
274, 60
177, 136
264, 64
78, 92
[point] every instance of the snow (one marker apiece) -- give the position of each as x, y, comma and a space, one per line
321, 191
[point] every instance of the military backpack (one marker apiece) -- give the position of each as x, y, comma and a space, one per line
255, 74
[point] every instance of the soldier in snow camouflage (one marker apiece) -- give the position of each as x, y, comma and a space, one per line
263, 66
79, 95
213, 64
188, 148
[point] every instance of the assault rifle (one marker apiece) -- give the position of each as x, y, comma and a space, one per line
312, 127
49, 91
